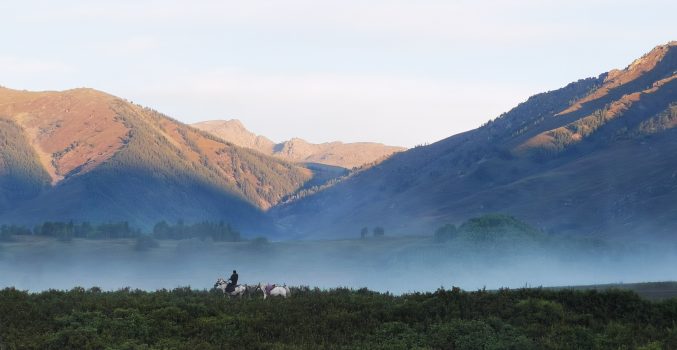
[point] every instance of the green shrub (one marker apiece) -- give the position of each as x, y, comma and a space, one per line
339, 318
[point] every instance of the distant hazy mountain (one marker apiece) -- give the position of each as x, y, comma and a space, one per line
346, 155
85, 155
596, 156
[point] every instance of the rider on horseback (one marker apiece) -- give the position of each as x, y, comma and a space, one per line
232, 282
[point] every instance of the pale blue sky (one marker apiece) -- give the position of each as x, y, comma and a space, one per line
398, 72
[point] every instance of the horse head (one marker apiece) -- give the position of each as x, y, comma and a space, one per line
219, 282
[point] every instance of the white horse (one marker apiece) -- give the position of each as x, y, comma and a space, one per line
273, 290
221, 284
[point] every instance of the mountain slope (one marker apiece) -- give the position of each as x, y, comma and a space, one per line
597, 156
93, 156
21, 174
345, 155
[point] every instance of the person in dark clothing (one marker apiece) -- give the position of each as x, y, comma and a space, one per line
232, 282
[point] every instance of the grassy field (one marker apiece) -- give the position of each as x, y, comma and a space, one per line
336, 319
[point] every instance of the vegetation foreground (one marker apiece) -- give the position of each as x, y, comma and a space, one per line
336, 319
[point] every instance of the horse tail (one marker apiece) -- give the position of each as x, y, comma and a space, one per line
288, 291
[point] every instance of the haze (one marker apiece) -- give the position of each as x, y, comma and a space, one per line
395, 72
401, 265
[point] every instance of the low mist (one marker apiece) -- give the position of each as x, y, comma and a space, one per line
394, 264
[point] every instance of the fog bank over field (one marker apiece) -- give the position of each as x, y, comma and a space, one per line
398, 265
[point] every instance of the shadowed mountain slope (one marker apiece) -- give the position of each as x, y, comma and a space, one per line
345, 155
85, 155
598, 156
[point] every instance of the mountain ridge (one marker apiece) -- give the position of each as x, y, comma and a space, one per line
563, 185
593, 157
336, 153
108, 159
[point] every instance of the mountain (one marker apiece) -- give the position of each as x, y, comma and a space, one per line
598, 156
86, 155
345, 155
234, 131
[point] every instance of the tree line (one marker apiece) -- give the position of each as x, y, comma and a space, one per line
206, 229
377, 231
217, 231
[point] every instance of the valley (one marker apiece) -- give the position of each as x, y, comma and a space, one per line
400, 264
386, 175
